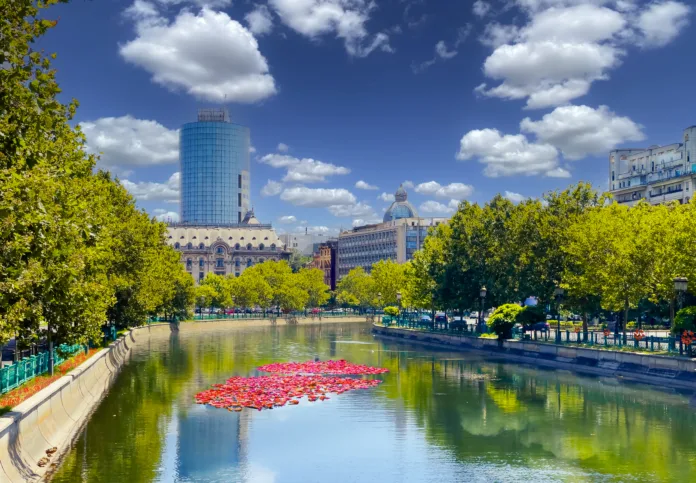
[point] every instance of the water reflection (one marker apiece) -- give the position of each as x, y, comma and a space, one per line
437, 417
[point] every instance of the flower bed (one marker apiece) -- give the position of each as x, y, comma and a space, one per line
27, 390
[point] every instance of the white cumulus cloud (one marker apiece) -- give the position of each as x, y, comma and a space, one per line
507, 155
457, 191
317, 197
288, 219
662, 22
206, 54
152, 191
435, 207
359, 209
481, 8
305, 170
164, 215
514, 197
345, 19
364, 185
272, 188
259, 20
283, 148
126, 141
581, 130
388, 197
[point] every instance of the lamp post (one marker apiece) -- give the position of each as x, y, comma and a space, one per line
558, 296
482, 294
680, 286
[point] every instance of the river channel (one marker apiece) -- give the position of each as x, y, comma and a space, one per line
438, 417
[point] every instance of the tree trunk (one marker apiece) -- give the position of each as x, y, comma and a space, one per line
625, 321
584, 326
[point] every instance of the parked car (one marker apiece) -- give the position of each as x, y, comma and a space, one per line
538, 327
441, 318
458, 323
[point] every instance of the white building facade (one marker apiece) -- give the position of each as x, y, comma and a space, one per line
657, 174
305, 243
225, 250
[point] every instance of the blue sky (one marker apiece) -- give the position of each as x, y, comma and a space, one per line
461, 99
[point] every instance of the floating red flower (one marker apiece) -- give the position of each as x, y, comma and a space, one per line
340, 367
267, 392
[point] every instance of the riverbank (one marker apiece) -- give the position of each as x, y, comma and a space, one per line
40, 429
653, 369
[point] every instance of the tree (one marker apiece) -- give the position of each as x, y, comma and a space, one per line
219, 295
357, 289
311, 280
388, 278
503, 319
298, 261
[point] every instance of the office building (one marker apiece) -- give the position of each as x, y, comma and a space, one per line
657, 174
324, 259
397, 238
215, 179
225, 250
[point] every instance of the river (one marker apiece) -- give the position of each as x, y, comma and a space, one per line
438, 417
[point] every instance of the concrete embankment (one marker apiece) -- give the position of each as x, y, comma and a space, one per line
653, 369
52, 417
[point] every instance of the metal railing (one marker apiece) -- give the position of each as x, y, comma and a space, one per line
595, 339
28, 368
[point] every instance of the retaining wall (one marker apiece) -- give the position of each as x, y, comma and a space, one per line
654, 369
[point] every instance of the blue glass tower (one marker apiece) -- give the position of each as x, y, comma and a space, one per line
214, 157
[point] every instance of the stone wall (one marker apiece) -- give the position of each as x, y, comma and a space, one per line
654, 369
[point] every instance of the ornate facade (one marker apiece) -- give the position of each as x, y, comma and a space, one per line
225, 250
325, 260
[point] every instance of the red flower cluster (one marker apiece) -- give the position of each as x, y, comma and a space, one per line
341, 367
267, 392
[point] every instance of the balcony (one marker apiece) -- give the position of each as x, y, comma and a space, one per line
667, 196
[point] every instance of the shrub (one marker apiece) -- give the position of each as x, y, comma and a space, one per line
631, 325
685, 320
530, 315
392, 311
503, 319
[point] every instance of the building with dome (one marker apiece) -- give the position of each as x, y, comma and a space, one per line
225, 250
400, 208
397, 238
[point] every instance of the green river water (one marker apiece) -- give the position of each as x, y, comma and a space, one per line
438, 417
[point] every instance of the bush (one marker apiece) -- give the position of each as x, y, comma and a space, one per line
631, 325
392, 311
503, 319
685, 320
530, 315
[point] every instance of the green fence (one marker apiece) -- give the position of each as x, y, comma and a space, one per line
28, 368
261, 316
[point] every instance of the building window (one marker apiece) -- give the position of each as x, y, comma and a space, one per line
249, 262
189, 264
189, 246
201, 263
219, 250
201, 246
176, 245
239, 181
261, 246
236, 246
220, 263
239, 217
237, 262
273, 247
248, 246
239, 199
200, 276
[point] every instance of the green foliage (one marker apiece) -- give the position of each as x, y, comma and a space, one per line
298, 261
685, 319
631, 325
391, 310
311, 280
388, 278
357, 289
75, 252
503, 319
530, 315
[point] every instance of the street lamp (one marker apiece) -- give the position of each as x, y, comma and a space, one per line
680, 286
558, 296
482, 294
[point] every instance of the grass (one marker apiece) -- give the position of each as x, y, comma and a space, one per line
29, 388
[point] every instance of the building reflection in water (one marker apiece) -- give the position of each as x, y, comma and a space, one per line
211, 444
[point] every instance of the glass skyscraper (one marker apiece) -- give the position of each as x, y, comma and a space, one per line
214, 157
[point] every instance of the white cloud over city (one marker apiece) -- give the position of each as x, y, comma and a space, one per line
457, 191
305, 170
205, 54
153, 191
128, 142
